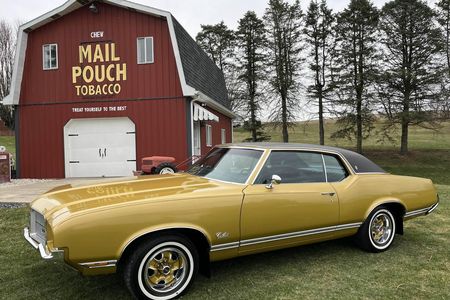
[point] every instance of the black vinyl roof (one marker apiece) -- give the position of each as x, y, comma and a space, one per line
359, 163
199, 70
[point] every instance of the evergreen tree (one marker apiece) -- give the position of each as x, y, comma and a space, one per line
412, 73
284, 25
218, 41
319, 35
443, 17
443, 12
251, 41
355, 74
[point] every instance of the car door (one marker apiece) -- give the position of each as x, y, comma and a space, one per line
304, 206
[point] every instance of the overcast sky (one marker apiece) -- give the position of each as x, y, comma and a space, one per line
190, 13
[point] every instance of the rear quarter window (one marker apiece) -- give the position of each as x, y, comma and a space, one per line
335, 168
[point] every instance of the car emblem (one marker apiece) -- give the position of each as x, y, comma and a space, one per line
222, 235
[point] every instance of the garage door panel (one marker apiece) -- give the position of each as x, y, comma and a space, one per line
100, 147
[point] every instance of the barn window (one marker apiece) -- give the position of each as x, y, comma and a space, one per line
208, 136
223, 138
50, 57
145, 50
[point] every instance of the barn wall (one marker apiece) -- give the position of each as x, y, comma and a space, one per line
119, 26
160, 130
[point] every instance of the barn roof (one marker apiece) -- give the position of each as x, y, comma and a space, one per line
199, 76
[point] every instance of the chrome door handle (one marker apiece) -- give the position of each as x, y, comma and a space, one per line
328, 194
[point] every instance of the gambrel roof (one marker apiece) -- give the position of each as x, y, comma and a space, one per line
199, 76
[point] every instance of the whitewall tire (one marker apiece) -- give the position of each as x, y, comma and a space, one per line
161, 269
378, 231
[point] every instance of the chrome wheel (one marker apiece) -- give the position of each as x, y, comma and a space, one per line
382, 229
165, 270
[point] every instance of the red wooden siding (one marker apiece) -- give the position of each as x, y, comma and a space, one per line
160, 130
120, 26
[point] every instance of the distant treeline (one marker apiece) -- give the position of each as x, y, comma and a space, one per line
353, 65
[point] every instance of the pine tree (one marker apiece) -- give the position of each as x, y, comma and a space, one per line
218, 41
412, 73
284, 25
319, 35
355, 74
443, 13
250, 41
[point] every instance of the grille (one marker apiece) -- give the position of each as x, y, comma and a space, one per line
147, 162
38, 227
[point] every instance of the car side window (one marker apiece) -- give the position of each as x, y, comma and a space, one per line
335, 170
293, 167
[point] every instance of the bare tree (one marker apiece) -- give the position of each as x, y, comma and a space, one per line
7, 48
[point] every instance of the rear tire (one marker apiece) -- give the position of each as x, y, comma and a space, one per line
165, 168
378, 231
161, 269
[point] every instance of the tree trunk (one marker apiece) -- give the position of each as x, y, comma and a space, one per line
405, 125
321, 126
253, 119
359, 125
404, 143
284, 119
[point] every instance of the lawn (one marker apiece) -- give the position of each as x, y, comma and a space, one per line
9, 143
308, 132
416, 267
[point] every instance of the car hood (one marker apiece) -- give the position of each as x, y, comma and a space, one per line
157, 188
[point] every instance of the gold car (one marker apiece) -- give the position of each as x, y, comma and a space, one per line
158, 231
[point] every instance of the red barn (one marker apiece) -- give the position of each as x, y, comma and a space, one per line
99, 85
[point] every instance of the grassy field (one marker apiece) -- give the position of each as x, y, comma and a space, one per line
308, 132
416, 267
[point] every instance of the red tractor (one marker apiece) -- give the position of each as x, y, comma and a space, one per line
158, 165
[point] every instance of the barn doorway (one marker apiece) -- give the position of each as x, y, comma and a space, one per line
100, 147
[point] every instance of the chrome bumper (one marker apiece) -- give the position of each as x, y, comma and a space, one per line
43, 250
432, 208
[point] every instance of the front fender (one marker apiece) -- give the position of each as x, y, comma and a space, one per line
158, 228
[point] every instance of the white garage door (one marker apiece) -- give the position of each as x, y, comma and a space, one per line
102, 147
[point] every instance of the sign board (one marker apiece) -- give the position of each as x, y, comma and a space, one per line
99, 71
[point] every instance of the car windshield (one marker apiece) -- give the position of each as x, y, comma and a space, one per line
227, 164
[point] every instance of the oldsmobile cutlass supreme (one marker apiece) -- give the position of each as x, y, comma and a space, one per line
158, 231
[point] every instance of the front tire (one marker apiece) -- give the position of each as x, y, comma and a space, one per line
378, 231
161, 269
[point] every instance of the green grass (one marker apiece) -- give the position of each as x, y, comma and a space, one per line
416, 267
308, 132
9, 143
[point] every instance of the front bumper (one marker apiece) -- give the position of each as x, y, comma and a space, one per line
43, 249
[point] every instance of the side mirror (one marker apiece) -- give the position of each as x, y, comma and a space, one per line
275, 180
